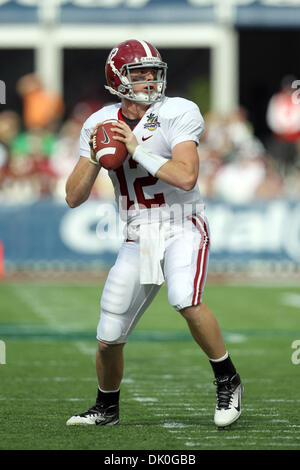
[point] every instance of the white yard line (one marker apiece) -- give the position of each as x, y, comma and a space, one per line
290, 299
86, 349
53, 317
41, 309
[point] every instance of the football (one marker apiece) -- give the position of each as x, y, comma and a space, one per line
110, 153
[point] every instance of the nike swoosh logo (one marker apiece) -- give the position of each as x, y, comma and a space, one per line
238, 408
146, 138
106, 138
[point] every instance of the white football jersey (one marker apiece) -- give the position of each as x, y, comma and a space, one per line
164, 125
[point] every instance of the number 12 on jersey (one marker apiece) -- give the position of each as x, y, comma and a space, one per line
138, 184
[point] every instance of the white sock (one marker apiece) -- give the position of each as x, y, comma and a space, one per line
108, 391
221, 358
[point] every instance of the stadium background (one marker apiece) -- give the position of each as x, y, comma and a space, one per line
230, 58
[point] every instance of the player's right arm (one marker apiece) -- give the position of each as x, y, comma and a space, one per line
82, 178
80, 182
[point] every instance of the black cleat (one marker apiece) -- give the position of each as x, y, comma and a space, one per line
99, 414
229, 395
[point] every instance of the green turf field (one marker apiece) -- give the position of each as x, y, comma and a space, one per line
167, 396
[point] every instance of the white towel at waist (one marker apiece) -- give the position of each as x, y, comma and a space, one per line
152, 247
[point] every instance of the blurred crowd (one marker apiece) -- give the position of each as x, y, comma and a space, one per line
238, 168
39, 149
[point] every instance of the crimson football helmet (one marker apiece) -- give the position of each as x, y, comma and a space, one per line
125, 58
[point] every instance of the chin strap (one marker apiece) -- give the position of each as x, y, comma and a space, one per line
156, 97
111, 90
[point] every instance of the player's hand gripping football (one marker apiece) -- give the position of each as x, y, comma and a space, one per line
93, 154
126, 136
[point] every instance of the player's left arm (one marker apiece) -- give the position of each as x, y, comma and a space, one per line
181, 171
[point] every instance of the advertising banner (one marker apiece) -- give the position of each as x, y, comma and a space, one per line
137, 11
46, 232
242, 13
19, 11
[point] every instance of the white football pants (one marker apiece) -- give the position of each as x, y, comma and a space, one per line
125, 299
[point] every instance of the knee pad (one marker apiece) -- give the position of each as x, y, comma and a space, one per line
178, 301
110, 328
117, 297
118, 292
180, 288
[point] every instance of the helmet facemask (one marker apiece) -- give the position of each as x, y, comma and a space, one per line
125, 89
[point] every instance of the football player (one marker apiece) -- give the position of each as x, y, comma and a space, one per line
167, 232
